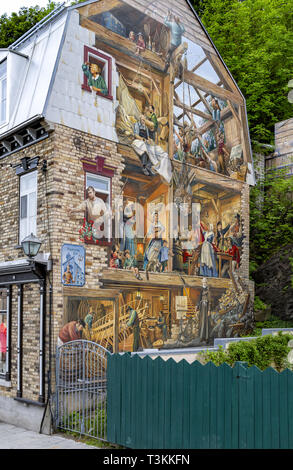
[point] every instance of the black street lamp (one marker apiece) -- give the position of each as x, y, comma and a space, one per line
31, 246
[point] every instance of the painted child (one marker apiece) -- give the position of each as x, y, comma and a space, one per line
130, 264
164, 255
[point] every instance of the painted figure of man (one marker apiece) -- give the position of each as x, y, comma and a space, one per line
223, 153
140, 44
177, 31
89, 319
141, 133
236, 232
216, 110
204, 313
131, 36
134, 323
94, 78
220, 235
96, 211
67, 276
70, 332
161, 323
152, 117
153, 158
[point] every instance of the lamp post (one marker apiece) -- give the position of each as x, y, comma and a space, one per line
31, 246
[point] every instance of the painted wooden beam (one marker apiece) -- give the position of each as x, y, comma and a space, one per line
211, 88
195, 111
121, 44
99, 7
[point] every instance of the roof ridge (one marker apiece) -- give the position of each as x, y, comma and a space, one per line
38, 25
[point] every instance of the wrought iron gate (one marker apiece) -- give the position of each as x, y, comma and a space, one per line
81, 388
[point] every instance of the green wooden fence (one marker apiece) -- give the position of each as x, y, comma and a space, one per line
157, 404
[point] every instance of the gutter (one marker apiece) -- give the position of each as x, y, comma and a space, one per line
26, 123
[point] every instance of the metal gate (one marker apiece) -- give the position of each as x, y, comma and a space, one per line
81, 388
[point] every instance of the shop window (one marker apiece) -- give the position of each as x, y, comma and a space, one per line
28, 205
3, 92
4, 333
97, 73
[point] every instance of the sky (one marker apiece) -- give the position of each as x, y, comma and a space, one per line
15, 5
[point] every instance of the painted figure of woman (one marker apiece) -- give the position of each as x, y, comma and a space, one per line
129, 220
208, 266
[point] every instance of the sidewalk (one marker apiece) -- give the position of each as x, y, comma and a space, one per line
12, 437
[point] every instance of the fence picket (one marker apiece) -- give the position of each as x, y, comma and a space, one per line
150, 391
220, 409
159, 399
243, 406
290, 410
283, 407
167, 403
195, 410
235, 407
275, 410
185, 441
266, 376
228, 374
213, 397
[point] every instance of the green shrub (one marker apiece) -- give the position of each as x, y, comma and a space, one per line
261, 352
259, 304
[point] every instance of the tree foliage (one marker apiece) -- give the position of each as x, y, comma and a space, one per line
255, 39
14, 26
271, 218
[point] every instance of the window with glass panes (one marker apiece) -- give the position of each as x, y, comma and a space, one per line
102, 187
28, 205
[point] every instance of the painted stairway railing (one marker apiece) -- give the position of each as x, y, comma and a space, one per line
102, 330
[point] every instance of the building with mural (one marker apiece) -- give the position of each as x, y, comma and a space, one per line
124, 147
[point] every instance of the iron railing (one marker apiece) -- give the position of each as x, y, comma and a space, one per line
81, 389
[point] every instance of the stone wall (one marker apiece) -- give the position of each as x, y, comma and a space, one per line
244, 267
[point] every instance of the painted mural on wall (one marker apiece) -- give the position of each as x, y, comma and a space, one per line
88, 318
145, 319
205, 237
179, 125
166, 109
72, 265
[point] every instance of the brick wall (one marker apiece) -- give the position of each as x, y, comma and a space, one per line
60, 189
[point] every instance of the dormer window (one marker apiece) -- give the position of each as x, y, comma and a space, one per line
3, 91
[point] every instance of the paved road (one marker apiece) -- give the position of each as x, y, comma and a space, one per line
12, 437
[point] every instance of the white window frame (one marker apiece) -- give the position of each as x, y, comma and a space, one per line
28, 223
3, 99
107, 180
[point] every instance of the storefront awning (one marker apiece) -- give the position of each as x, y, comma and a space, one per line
21, 271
